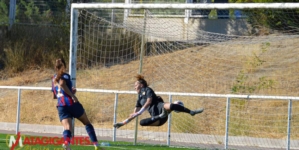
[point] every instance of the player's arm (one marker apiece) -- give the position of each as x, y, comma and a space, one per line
53, 89
67, 90
143, 108
136, 109
54, 95
119, 124
149, 99
74, 90
132, 116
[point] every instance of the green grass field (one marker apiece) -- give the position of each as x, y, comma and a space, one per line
4, 140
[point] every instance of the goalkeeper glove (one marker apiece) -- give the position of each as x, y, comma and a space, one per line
118, 125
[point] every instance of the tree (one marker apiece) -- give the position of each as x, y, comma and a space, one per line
282, 20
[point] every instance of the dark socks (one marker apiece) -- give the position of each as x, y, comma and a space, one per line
179, 108
91, 133
67, 136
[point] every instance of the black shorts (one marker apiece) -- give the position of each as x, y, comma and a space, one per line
149, 121
74, 111
163, 120
157, 110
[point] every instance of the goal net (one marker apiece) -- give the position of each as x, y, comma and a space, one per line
251, 51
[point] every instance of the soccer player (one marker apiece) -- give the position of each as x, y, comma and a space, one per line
68, 105
159, 110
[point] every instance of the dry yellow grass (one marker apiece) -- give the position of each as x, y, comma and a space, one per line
209, 69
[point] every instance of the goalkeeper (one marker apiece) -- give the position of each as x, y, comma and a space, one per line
148, 100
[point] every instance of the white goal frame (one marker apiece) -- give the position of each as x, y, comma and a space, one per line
75, 7
73, 43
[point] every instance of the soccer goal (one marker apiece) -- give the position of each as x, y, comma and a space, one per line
252, 50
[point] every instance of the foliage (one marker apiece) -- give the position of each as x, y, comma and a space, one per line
243, 83
16, 56
243, 86
20, 55
29, 12
36, 45
282, 19
3, 12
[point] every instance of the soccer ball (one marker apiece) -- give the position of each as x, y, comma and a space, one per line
180, 103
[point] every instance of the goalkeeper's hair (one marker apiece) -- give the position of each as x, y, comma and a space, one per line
141, 80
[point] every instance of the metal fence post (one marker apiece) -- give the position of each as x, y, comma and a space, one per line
289, 124
12, 13
227, 123
18, 112
169, 123
114, 116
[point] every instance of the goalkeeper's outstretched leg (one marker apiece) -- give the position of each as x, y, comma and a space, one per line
179, 108
158, 109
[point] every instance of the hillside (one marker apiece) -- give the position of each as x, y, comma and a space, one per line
271, 70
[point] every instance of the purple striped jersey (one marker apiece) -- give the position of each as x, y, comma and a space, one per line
63, 99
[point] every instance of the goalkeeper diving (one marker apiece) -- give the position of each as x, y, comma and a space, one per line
158, 109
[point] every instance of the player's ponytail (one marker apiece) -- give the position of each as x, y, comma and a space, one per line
141, 80
59, 67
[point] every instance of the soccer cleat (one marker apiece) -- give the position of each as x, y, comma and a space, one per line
197, 111
98, 148
66, 147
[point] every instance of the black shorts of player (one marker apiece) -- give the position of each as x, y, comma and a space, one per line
74, 111
163, 120
149, 121
154, 111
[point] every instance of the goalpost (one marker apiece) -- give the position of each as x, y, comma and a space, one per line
251, 51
